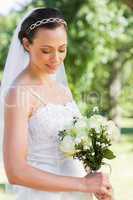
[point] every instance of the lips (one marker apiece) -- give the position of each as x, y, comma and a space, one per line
52, 66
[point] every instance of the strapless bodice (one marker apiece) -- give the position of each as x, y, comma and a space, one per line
43, 148
44, 152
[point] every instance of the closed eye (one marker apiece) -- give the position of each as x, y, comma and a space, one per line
48, 51
62, 50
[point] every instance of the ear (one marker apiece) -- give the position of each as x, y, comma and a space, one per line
26, 44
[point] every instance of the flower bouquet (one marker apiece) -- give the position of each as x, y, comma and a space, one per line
89, 140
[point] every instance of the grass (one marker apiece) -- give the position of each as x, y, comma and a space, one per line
6, 196
122, 170
127, 122
122, 175
1, 72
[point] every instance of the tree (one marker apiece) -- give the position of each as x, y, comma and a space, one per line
100, 49
129, 3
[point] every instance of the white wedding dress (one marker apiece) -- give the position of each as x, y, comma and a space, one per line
44, 152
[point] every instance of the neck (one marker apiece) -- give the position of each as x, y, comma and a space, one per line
38, 75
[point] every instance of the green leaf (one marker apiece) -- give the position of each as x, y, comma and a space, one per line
108, 154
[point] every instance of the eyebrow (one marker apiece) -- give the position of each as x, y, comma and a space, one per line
52, 46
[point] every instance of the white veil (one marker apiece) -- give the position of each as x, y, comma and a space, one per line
16, 62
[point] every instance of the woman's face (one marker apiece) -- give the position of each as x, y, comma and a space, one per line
48, 50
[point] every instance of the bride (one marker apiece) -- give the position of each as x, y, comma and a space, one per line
37, 103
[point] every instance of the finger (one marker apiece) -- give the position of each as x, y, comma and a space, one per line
106, 175
100, 195
108, 186
106, 192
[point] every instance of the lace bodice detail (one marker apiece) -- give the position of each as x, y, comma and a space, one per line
43, 138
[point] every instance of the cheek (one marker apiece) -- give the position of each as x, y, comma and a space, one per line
40, 57
63, 56
50, 57
45, 57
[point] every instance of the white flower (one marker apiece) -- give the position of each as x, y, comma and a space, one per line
112, 129
97, 129
81, 123
84, 139
86, 147
67, 145
96, 121
98, 143
96, 109
78, 140
103, 145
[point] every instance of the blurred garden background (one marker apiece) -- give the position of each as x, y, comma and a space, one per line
99, 67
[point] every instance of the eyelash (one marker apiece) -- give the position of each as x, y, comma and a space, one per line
45, 52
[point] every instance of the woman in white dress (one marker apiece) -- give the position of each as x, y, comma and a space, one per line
37, 106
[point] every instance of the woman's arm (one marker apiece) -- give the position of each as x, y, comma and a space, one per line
15, 152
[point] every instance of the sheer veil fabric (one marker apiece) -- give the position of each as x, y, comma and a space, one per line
16, 62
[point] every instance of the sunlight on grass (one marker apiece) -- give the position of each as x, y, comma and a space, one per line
6, 196
122, 174
126, 122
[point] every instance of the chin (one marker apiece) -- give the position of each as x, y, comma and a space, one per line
49, 71
52, 72
52, 69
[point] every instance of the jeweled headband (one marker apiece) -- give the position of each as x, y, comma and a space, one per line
45, 21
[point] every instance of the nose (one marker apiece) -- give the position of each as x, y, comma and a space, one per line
55, 57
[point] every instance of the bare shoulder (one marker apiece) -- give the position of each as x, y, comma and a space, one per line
16, 103
17, 97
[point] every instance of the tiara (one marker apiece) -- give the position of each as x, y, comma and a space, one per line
45, 21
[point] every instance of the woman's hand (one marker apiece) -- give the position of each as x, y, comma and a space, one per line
103, 197
100, 196
99, 184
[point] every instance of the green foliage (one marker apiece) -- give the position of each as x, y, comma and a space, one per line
108, 154
100, 49
7, 25
100, 46
99, 149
